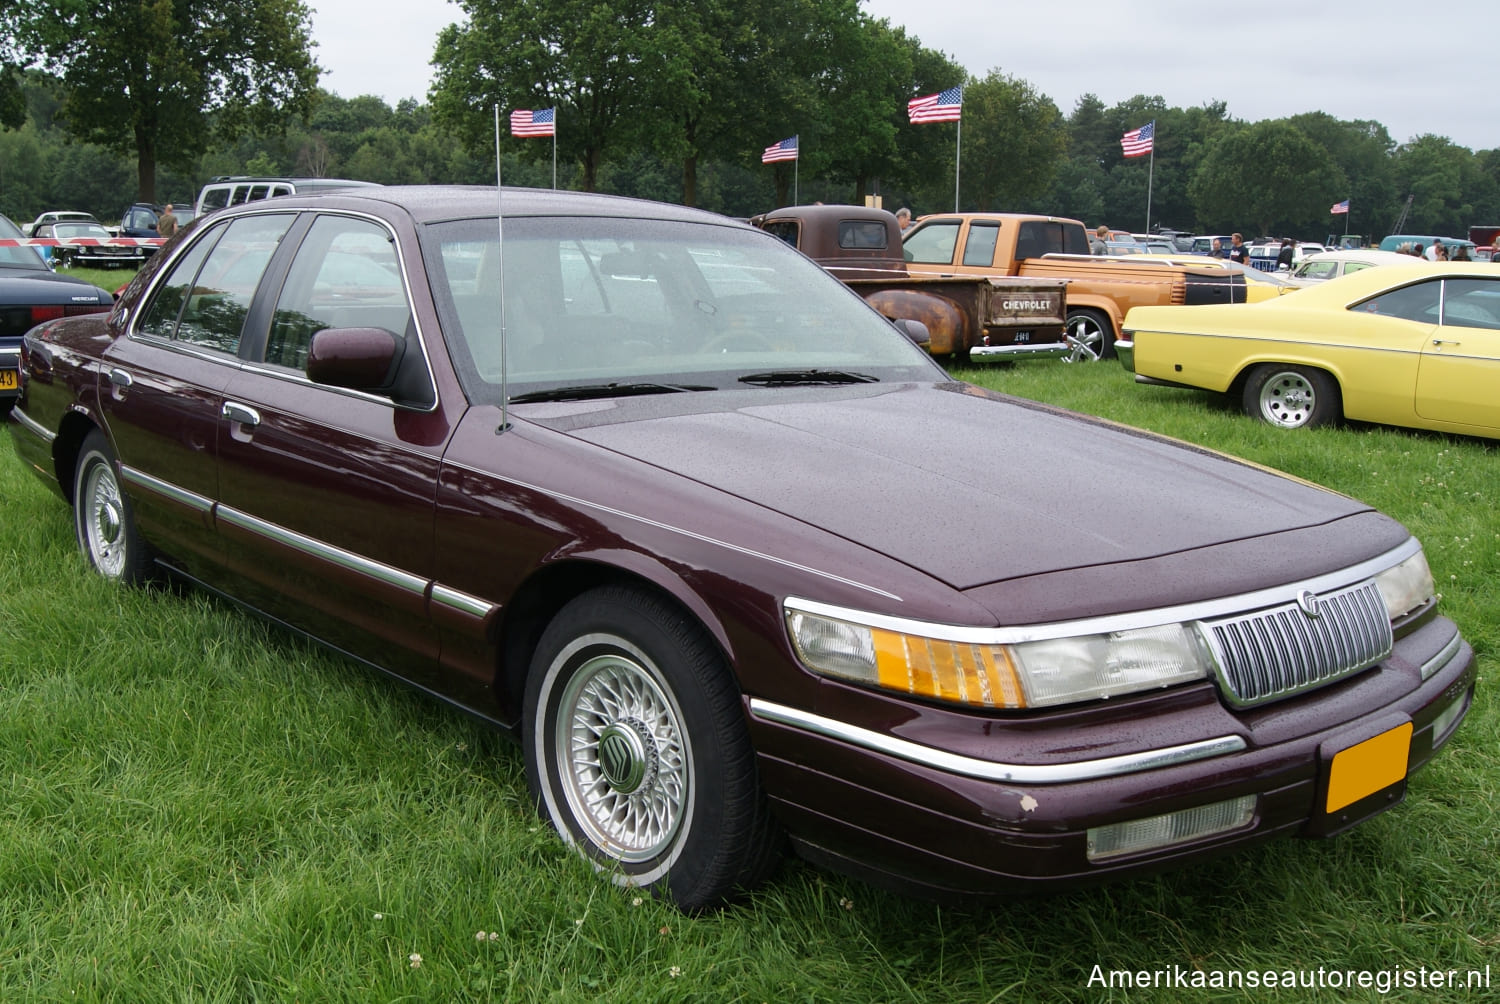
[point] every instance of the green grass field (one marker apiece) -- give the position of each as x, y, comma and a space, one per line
198, 808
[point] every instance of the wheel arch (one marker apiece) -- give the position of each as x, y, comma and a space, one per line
553, 586
1237, 385
1099, 305
72, 431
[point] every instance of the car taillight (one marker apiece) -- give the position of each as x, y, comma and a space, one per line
40, 314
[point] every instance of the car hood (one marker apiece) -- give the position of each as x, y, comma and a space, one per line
968, 486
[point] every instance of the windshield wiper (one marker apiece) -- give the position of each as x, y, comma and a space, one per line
590, 391
781, 378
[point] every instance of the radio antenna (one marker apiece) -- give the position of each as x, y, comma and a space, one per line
500, 257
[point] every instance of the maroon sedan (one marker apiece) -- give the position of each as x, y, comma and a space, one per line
732, 558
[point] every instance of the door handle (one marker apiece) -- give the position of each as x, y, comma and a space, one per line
241, 413
120, 378
1439, 341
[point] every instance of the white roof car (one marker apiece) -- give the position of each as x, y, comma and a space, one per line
1332, 264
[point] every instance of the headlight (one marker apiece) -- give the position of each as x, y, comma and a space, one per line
1032, 674
1407, 586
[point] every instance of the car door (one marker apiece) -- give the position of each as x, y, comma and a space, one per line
162, 384
1460, 368
327, 494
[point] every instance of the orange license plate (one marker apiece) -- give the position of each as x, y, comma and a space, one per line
1364, 769
10, 379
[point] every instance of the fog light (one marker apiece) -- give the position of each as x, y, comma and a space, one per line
1444, 724
1182, 827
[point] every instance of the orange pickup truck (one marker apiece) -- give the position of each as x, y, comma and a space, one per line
1100, 288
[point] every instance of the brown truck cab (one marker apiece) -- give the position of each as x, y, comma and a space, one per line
1101, 289
965, 315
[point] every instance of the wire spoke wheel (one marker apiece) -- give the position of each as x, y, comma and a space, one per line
620, 736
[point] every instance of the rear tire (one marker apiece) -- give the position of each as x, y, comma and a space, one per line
103, 519
1291, 397
638, 753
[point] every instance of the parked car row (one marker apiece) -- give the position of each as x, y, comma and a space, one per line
672, 513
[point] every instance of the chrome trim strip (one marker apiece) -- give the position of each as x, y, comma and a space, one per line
574, 500
1184, 613
11, 352
1448, 653
32, 425
990, 770
324, 552
141, 479
463, 602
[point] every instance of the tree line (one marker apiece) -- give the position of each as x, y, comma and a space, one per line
103, 103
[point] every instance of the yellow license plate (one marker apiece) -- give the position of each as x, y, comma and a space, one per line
10, 379
1364, 769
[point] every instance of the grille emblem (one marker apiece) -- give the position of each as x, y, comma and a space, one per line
1307, 602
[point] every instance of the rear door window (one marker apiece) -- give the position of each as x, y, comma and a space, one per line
205, 298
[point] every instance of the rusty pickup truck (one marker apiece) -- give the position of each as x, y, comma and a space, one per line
1101, 289
1018, 317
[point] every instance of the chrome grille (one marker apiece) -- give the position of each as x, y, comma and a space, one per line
1279, 651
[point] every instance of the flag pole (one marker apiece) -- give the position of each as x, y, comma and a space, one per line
1150, 180
1347, 214
554, 151
796, 166
958, 156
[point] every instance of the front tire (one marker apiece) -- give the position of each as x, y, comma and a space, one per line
1091, 334
1291, 397
638, 753
103, 519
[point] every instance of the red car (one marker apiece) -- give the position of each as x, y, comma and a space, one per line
730, 556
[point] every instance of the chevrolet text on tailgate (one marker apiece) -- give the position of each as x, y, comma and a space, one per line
650, 491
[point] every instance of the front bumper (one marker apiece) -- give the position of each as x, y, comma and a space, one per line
919, 824
1125, 349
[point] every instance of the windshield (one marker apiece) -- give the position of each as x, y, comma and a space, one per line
651, 306
65, 231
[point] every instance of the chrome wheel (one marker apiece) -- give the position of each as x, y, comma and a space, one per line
104, 520
1291, 397
637, 750
623, 752
1087, 334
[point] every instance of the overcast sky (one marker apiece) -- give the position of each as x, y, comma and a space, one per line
1416, 69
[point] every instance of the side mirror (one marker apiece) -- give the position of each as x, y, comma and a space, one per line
915, 330
365, 359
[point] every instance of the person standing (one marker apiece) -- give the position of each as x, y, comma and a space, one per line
903, 218
1431, 252
166, 223
1284, 256
1237, 250
1099, 243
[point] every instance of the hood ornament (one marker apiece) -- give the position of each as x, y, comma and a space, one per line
1308, 603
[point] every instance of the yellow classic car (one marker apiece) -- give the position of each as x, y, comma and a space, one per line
1415, 345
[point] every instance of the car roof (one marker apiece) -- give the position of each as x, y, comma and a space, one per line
1356, 286
1366, 255
436, 203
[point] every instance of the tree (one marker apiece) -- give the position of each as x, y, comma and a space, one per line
1013, 142
582, 57
1264, 175
166, 78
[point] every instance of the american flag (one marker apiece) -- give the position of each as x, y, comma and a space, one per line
785, 150
529, 123
1137, 142
944, 107
1342, 207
